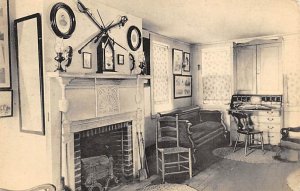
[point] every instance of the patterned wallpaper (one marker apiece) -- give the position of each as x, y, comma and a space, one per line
293, 88
161, 80
216, 62
216, 88
216, 75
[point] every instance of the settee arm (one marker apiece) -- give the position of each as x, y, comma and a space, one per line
285, 131
213, 115
185, 138
185, 133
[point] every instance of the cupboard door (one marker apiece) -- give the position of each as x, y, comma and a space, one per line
269, 70
246, 70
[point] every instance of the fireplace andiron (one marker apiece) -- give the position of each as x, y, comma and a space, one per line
97, 168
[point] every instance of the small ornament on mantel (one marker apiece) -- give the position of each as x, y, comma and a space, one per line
64, 55
142, 61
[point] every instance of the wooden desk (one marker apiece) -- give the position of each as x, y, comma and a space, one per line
269, 121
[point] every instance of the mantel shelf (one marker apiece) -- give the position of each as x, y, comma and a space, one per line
96, 76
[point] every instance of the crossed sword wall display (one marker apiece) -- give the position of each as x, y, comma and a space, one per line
103, 29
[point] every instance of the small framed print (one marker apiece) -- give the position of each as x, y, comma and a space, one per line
177, 61
87, 60
182, 86
186, 62
5, 76
6, 103
120, 59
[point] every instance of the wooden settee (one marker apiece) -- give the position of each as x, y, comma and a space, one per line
198, 127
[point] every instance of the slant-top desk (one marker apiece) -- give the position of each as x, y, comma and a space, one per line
265, 112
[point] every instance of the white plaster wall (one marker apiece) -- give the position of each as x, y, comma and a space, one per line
25, 159
23, 156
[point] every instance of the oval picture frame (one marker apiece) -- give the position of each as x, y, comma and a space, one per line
62, 19
134, 38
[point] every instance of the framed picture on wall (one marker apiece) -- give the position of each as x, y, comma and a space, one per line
5, 78
120, 59
28, 33
177, 61
87, 60
6, 103
186, 62
182, 86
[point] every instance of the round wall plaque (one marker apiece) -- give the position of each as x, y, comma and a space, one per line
63, 21
134, 38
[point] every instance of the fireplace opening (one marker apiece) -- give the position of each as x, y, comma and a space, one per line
103, 157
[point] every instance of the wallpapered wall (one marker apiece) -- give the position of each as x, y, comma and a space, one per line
293, 88
161, 80
164, 99
216, 75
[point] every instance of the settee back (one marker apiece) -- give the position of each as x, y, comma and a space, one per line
194, 114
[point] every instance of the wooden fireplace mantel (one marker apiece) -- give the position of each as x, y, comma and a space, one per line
97, 76
85, 92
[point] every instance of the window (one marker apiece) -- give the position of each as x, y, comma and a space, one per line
161, 83
216, 75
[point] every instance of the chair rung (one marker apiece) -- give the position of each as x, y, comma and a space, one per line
179, 162
173, 166
187, 168
177, 172
176, 166
186, 158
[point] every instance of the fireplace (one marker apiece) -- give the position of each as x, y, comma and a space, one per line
98, 149
84, 108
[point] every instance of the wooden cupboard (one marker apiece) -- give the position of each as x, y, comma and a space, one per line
258, 69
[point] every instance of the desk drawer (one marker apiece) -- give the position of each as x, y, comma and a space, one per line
272, 138
265, 119
268, 127
269, 113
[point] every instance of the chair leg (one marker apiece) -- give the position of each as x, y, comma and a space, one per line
163, 167
237, 139
262, 141
178, 159
246, 144
157, 165
190, 163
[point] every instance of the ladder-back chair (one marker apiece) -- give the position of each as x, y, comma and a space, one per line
170, 157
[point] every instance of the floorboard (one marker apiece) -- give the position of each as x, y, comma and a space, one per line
216, 174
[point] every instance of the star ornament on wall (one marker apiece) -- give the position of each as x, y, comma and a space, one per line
103, 30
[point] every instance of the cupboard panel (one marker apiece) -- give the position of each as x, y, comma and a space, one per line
269, 78
259, 69
245, 69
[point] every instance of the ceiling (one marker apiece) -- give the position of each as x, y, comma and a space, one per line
208, 21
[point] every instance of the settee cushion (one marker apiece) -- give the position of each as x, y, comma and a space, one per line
290, 143
200, 130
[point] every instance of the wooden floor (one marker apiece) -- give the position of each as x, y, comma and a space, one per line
217, 174
229, 175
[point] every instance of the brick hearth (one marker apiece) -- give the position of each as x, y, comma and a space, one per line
118, 139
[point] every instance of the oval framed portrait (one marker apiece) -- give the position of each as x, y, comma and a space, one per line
63, 21
134, 38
